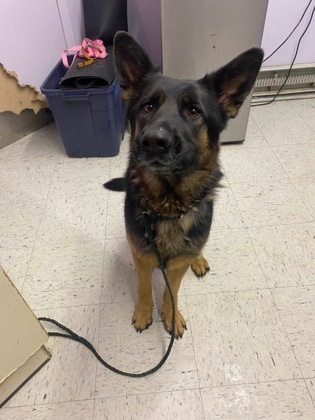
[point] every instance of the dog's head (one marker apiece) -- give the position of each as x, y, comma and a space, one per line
175, 124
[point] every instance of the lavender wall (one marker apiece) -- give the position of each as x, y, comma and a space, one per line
33, 33
144, 20
282, 16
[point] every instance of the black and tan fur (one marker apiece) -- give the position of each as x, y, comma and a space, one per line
173, 166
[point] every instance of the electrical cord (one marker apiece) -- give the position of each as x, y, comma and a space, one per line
148, 219
291, 66
291, 33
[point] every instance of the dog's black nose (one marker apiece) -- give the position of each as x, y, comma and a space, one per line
157, 141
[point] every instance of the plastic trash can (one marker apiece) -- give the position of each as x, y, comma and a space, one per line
91, 122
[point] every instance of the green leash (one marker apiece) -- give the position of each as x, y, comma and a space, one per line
148, 219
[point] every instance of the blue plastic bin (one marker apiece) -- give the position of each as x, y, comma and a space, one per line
90, 121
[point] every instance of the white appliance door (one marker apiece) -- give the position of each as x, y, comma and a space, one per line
200, 36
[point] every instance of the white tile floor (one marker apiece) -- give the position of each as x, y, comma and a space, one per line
249, 352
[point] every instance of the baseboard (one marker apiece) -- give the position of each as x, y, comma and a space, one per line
14, 127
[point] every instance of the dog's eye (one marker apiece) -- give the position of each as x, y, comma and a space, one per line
193, 112
149, 107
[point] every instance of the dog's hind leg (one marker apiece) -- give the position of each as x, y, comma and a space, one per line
200, 266
175, 271
142, 316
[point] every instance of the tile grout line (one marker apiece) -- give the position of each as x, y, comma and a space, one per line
177, 390
93, 413
301, 196
259, 129
193, 347
191, 295
309, 392
41, 219
46, 404
292, 348
97, 364
251, 241
290, 145
312, 399
100, 305
300, 116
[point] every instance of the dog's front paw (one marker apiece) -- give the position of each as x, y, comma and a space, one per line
200, 266
142, 318
180, 323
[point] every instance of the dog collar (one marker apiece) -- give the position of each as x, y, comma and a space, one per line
154, 216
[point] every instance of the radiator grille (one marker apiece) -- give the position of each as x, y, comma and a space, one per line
301, 80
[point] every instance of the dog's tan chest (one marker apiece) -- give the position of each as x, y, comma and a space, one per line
173, 235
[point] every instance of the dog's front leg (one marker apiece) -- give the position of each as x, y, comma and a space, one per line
142, 316
175, 271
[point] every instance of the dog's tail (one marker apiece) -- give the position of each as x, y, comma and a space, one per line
116, 184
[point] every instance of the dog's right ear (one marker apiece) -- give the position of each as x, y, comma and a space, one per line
132, 64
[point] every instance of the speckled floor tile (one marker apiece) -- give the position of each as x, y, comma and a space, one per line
28, 181
60, 276
226, 213
305, 108
244, 164
306, 188
239, 338
115, 225
4, 153
254, 137
119, 163
63, 242
119, 274
41, 146
19, 223
79, 176
70, 373
78, 410
296, 306
270, 401
298, 162
233, 265
162, 405
73, 219
124, 348
291, 131
15, 262
311, 388
286, 253
277, 111
29, 166
270, 203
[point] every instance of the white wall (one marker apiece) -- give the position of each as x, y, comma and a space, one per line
282, 16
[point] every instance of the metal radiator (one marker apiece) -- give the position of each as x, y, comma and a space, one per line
301, 82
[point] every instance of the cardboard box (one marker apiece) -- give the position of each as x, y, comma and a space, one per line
22, 339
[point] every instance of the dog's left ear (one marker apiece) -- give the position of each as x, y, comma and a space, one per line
233, 82
132, 63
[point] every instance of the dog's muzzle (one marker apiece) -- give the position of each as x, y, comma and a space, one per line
161, 150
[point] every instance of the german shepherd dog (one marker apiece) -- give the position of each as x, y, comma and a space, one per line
173, 168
